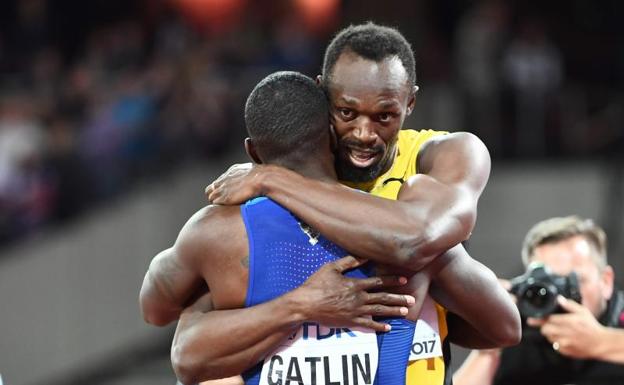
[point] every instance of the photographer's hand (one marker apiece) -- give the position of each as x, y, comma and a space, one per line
574, 334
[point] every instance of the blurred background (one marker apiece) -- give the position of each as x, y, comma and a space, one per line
115, 115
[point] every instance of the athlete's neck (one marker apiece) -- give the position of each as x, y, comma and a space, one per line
313, 169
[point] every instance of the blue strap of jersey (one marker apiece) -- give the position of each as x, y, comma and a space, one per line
394, 351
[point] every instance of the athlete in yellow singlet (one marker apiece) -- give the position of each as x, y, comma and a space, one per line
430, 370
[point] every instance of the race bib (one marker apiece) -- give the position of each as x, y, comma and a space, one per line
320, 355
426, 343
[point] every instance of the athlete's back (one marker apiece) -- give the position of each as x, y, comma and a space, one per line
283, 254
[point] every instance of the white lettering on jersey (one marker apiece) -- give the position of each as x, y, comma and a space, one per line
320, 355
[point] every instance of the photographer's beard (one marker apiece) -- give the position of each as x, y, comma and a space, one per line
595, 302
596, 286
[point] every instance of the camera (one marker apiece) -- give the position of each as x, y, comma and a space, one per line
538, 288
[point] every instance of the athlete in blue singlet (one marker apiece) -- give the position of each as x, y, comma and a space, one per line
283, 254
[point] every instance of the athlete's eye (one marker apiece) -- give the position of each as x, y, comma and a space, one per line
346, 113
384, 117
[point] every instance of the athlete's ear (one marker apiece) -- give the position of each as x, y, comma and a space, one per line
412, 100
251, 151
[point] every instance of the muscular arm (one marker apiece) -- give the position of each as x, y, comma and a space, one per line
212, 344
435, 210
176, 275
224, 342
167, 287
482, 314
220, 343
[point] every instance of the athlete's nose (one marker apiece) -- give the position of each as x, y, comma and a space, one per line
364, 131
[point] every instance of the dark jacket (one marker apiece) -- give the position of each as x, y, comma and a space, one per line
534, 362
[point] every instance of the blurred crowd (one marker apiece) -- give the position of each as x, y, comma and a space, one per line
534, 80
133, 99
95, 96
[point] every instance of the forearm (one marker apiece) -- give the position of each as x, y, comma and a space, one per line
609, 345
235, 380
223, 343
470, 290
478, 369
404, 233
462, 333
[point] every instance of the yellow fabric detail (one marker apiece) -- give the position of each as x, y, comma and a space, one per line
442, 315
428, 371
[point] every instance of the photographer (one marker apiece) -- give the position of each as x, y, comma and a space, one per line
571, 343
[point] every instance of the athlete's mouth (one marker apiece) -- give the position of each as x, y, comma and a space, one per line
363, 157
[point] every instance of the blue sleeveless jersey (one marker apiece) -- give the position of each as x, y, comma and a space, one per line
394, 351
283, 254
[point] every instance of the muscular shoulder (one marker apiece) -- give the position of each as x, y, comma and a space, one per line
212, 232
439, 147
419, 135
413, 140
457, 157
212, 216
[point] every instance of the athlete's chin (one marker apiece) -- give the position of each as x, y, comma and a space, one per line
357, 172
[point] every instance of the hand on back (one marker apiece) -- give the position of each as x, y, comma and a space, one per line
332, 299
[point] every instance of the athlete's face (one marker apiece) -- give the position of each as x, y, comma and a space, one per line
369, 102
576, 254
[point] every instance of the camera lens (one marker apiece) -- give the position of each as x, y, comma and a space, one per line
538, 299
538, 296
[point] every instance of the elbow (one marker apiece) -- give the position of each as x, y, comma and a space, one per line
427, 232
411, 251
185, 367
155, 319
463, 222
152, 310
506, 328
420, 248
460, 221
514, 332
509, 331
154, 314
416, 249
194, 363
466, 223
509, 337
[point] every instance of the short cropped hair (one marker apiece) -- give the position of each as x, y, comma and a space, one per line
286, 114
373, 42
554, 230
